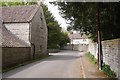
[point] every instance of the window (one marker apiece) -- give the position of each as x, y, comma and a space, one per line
40, 47
41, 16
84, 39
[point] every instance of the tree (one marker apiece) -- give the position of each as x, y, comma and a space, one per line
18, 3
56, 38
82, 16
64, 39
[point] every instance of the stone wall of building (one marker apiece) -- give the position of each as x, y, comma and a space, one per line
38, 34
44, 31
111, 53
0, 62
81, 47
12, 56
21, 30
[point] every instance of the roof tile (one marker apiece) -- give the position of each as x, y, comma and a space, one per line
77, 36
18, 13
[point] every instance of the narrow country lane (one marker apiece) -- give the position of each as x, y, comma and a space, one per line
65, 64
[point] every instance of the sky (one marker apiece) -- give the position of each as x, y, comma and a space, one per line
54, 10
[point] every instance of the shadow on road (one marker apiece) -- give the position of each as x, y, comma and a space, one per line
56, 56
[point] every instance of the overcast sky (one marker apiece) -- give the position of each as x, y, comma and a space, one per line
54, 10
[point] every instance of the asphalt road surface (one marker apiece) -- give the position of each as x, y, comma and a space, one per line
65, 64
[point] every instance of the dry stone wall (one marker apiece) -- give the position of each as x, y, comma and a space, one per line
111, 53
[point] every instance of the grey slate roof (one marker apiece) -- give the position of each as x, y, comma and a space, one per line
18, 13
10, 40
77, 36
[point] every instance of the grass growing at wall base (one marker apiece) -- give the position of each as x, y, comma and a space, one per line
25, 63
106, 68
91, 58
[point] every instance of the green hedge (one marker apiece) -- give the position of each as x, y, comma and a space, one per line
53, 46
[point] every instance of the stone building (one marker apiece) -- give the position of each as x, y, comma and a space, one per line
78, 42
78, 38
24, 32
14, 50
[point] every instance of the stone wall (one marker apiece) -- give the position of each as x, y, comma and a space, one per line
93, 48
77, 47
44, 31
119, 59
81, 47
111, 53
12, 56
21, 30
67, 47
53, 50
38, 34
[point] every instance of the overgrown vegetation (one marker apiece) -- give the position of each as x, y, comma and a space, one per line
106, 68
25, 63
91, 58
108, 71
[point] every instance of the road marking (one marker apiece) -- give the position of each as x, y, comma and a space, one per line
83, 72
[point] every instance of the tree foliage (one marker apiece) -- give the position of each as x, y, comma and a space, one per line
56, 38
82, 16
17, 3
64, 39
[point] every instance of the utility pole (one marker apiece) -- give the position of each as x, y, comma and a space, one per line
72, 40
100, 55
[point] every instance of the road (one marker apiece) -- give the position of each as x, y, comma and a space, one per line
65, 64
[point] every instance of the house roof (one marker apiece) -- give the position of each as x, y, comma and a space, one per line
18, 13
77, 36
10, 40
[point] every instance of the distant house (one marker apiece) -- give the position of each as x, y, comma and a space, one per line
78, 42
24, 33
78, 38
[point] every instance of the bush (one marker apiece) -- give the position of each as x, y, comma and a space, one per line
54, 46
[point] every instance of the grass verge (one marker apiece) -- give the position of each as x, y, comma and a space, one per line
105, 68
25, 63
